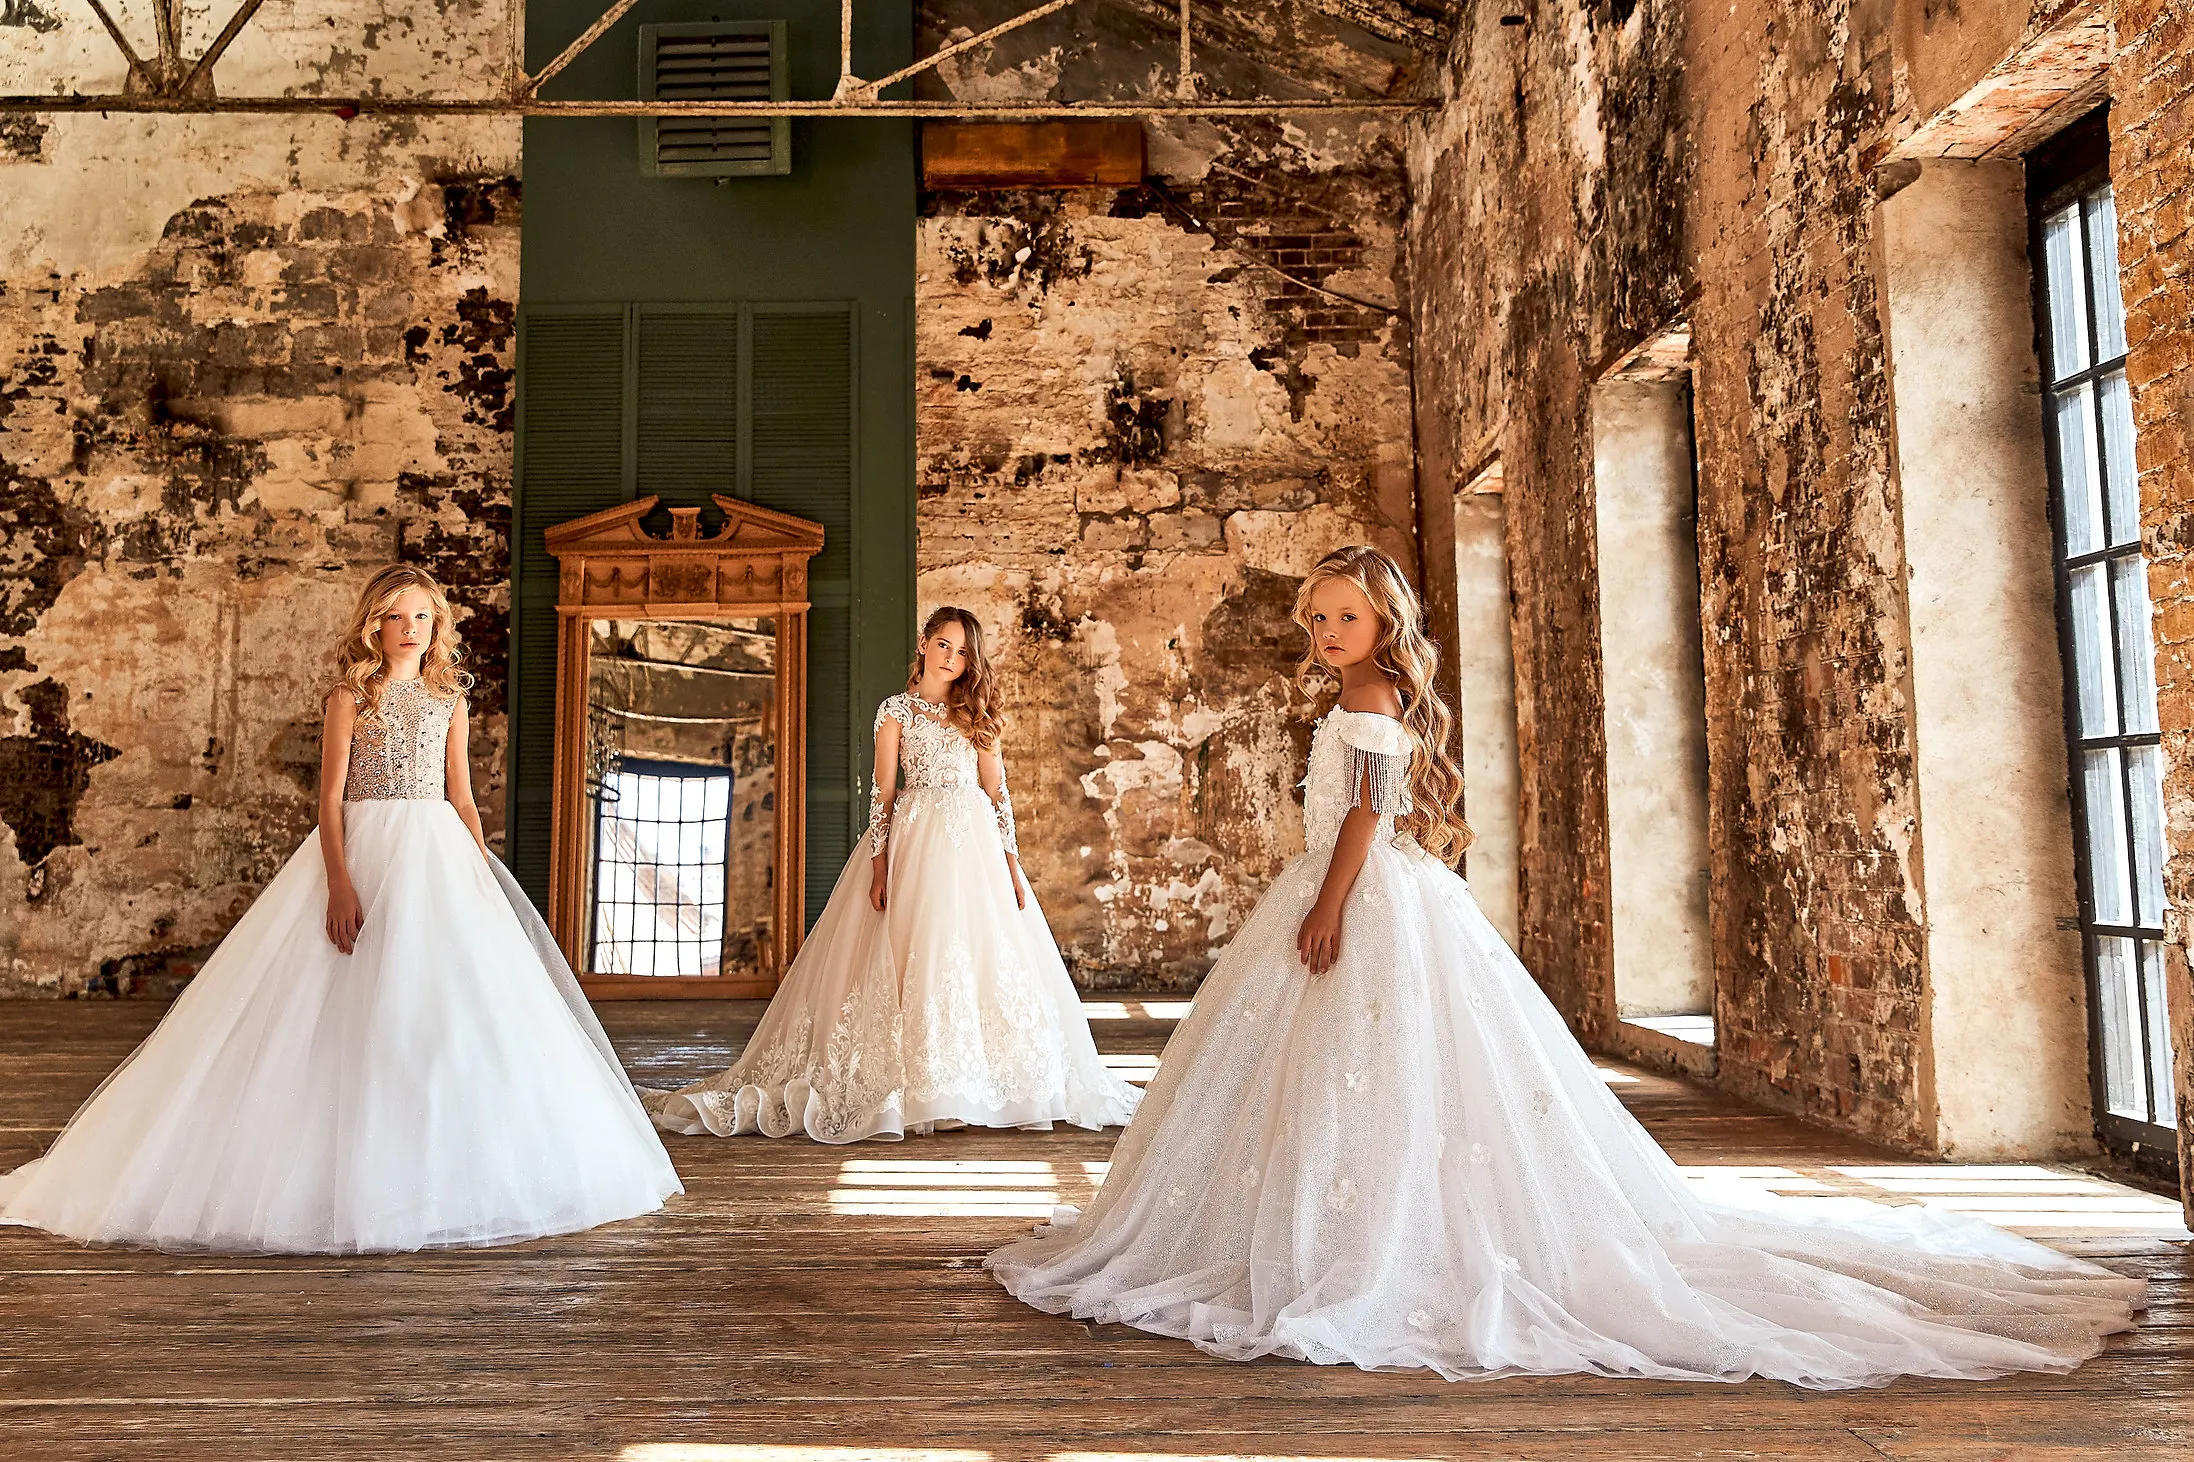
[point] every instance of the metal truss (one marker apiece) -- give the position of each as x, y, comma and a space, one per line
169, 82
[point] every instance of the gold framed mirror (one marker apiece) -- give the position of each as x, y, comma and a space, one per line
678, 858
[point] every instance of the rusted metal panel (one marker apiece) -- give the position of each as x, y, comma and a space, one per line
1032, 154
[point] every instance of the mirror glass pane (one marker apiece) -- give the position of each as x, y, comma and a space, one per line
681, 796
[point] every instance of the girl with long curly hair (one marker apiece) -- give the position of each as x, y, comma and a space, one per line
930, 993
1375, 1142
387, 1052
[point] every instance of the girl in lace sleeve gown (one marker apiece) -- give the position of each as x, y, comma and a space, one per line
929, 994
387, 1052
1375, 1142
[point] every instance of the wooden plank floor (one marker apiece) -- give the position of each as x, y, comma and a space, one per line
811, 1304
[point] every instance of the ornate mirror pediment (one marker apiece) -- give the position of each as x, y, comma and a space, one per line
681, 733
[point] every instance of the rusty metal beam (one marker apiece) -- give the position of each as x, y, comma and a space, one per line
1184, 86
129, 53
387, 106
945, 53
221, 42
169, 34
578, 47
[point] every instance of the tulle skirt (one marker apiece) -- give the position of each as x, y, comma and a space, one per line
1409, 1162
950, 1008
443, 1084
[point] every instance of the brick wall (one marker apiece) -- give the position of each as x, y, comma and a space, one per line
2152, 117
1598, 175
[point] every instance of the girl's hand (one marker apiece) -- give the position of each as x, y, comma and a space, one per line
1319, 940
877, 880
346, 916
1020, 886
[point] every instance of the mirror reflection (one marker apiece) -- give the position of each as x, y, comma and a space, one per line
681, 796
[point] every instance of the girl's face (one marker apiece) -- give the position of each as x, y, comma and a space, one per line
1343, 625
944, 653
407, 627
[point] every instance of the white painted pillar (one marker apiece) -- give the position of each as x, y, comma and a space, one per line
2006, 994
1654, 695
1485, 667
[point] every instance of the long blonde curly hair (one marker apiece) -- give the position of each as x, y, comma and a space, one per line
972, 701
359, 663
1408, 658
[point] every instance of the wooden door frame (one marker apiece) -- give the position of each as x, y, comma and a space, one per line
609, 566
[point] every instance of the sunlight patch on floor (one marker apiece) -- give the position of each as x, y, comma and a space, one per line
1736, 1182
1213, 1457
764, 1452
1613, 1077
1130, 1065
2028, 1198
933, 1188
2039, 1202
1136, 1009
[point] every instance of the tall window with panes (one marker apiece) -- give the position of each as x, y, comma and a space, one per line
2110, 659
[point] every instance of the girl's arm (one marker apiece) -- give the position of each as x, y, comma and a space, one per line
990, 771
879, 809
346, 916
1319, 940
457, 777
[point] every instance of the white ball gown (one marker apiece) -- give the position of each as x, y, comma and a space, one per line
1409, 1162
950, 1008
444, 1084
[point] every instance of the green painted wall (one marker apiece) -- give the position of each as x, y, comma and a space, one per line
608, 254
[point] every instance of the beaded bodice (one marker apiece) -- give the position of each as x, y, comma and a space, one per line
397, 749
1349, 750
934, 756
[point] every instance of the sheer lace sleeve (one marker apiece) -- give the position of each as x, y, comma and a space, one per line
1004, 805
880, 799
1379, 749
879, 820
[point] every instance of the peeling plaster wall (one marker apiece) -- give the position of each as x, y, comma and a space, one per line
1612, 168
243, 362
1133, 440
1598, 174
1546, 237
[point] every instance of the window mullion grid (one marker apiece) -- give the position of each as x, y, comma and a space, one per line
2115, 535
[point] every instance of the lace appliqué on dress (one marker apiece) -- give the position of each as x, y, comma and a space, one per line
399, 749
933, 754
1005, 812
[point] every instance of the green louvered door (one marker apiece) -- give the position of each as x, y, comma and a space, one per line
679, 402
571, 462
801, 461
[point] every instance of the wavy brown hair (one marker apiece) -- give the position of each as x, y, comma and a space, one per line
361, 666
971, 702
1407, 657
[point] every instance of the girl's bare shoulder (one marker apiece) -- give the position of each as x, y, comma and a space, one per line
1379, 697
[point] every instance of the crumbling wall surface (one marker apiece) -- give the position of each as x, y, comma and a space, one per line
2152, 114
1546, 239
243, 362
1133, 439
1728, 154
1818, 915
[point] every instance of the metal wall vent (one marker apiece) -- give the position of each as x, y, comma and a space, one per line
742, 61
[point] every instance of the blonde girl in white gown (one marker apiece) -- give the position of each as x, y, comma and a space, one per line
1374, 1141
387, 1052
929, 994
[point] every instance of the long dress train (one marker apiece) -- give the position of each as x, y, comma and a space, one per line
950, 1008
443, 1084
1409, 1162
